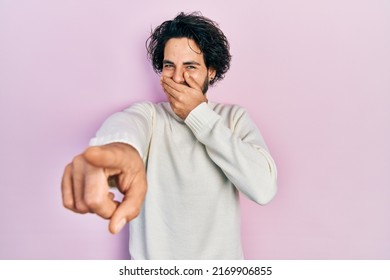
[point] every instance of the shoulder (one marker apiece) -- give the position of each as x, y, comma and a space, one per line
234, 116
141, 106
148, 106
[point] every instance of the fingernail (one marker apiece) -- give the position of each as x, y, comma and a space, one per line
186, 75
120, 225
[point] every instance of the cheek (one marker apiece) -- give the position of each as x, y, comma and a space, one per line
194, 76
167, 73
199, 78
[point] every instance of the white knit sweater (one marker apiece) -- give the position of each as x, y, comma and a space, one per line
195, 169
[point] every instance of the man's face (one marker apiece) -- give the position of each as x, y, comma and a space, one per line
183, 55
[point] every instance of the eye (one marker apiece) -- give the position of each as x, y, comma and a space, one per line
191, 67
168, 66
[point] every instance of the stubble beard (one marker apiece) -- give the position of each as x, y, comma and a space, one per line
205, 86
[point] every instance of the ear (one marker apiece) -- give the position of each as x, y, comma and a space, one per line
212, 72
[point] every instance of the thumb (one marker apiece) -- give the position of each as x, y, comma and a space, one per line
125, 212
131, 205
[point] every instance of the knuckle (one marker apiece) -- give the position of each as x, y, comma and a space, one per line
80, 207
68, 168
67, 175
68, 204
77, 161
179, 98
93, 202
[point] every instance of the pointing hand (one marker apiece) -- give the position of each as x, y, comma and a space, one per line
85, 183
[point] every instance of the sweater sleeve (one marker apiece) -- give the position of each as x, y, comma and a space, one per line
132, 126
238, 148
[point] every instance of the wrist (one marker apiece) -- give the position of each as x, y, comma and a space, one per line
201, 118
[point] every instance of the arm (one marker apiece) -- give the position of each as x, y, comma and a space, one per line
132, 126
238, 150
85, 187
120, 143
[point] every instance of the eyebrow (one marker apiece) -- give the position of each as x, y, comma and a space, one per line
192, 62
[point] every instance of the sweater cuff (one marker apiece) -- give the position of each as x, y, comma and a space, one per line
201, 119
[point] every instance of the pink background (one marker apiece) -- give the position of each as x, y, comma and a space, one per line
314, 75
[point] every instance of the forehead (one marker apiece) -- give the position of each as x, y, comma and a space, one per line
180, 50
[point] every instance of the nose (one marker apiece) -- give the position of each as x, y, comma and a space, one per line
178, 76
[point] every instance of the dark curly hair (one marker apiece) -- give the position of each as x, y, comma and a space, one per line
205, 32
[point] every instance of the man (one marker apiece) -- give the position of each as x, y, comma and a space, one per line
193, 155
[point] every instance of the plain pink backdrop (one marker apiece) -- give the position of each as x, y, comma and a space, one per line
314, 76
